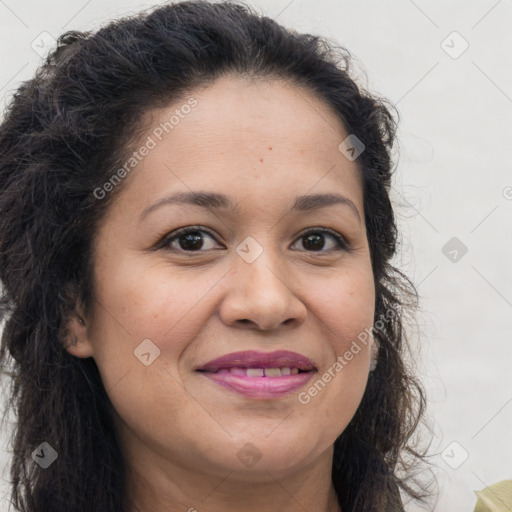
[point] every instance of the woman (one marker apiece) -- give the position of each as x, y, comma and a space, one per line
196, 237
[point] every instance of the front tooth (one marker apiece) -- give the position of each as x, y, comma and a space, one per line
255, 372
238, 371
295, 371
285, 371
272, 372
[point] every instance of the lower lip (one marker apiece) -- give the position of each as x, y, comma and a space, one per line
260, 387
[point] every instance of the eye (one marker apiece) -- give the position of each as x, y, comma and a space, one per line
192, 239
189, 239
314, 240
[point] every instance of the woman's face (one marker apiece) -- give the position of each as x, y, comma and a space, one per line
261, 276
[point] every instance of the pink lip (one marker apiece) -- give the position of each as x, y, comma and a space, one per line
259, 387
255, 359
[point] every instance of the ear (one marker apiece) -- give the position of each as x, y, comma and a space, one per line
75, 328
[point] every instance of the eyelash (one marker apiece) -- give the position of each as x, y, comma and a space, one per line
167, 240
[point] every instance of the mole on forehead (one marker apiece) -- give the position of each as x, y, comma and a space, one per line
261, 158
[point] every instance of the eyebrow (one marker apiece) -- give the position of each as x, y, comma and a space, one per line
220, 201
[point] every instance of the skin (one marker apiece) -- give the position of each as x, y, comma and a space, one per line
262, 143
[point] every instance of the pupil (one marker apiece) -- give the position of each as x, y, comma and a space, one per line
317, 241
191, 241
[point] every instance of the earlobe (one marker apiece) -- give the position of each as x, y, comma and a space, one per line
77, 341
74, 331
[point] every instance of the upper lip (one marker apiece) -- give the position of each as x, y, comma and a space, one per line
255, 359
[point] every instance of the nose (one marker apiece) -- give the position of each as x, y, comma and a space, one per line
262, 295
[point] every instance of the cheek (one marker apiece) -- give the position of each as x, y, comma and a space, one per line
134, 306
141, 299
138, 302
344, 306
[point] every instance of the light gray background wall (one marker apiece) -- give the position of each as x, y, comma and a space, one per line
454, 180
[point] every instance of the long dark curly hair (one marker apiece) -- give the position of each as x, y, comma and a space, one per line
63, 132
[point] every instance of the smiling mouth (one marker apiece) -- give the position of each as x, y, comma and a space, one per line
258, 372
260, 375
259, 383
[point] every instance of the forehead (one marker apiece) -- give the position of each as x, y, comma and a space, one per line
237, 136
238, 109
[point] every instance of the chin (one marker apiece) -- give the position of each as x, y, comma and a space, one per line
261, 457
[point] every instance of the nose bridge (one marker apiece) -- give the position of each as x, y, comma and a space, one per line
260, 290
260, 263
